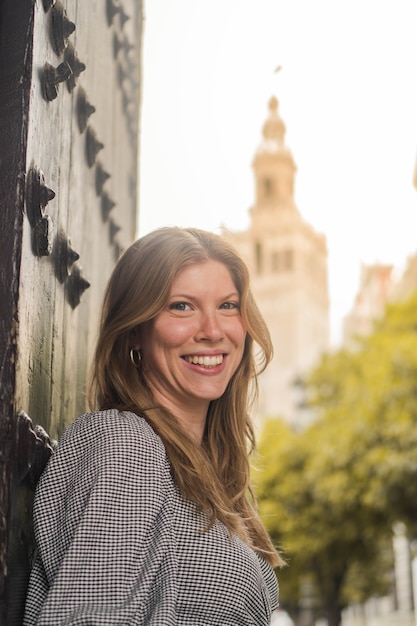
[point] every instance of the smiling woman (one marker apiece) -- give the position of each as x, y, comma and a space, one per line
143, 515
192, 348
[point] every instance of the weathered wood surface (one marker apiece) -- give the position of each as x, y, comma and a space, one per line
68, 207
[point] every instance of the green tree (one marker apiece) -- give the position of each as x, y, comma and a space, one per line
330, 494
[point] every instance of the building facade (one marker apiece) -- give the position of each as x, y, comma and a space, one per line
287, 260
70, 76
375, 289
379, 284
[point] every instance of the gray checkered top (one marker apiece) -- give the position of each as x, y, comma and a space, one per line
117, 544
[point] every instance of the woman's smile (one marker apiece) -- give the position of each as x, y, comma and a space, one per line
205, 361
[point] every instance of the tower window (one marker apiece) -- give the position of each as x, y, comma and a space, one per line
282, 261
258, 257
267, 187
276, 261
288, 260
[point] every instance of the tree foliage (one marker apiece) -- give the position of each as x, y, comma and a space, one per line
330, 494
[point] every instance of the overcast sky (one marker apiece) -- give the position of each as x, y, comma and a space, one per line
348, 96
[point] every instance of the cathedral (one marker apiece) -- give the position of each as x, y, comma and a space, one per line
287, 260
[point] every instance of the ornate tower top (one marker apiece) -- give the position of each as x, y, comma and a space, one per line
273, 165
274, 128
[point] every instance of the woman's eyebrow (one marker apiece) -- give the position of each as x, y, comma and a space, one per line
233, 294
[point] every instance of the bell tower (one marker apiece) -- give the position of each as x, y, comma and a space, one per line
287, 260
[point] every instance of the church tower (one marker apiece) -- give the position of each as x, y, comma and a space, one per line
287, 260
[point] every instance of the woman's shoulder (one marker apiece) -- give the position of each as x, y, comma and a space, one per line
111, 420
105, 448
118, 433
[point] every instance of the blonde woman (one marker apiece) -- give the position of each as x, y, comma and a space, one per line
144, 513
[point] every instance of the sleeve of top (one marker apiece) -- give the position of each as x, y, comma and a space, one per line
271, 582
102, 527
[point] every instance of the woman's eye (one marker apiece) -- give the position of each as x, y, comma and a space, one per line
230, 306
179, 306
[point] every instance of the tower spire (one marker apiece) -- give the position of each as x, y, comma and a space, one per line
274, 128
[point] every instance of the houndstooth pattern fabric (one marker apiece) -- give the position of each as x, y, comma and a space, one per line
118, 545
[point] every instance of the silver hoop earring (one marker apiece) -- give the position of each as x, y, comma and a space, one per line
135, 357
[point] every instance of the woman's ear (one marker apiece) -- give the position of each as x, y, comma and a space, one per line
134, 341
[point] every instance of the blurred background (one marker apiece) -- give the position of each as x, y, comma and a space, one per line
347, 96
291, 127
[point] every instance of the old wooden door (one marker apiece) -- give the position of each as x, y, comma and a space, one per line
69, 104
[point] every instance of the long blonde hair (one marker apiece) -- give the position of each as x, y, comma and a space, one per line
214, 475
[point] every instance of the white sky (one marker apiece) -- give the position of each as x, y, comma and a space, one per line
348, 96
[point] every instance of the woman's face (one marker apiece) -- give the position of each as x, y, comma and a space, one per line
192, 348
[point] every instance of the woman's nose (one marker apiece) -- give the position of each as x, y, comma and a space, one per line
210, 328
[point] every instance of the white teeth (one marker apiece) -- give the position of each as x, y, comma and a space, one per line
207, 361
